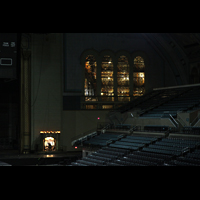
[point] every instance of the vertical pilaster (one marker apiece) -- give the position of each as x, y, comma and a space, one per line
131, 78
115, 78
25, 102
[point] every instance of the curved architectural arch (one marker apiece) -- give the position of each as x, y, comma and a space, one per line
139, 73
106, 52
108, 63
123, 75
143, 55
89, 66
125, 53
87, 52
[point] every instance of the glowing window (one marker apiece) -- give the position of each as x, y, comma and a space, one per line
49, 143
90, 78
122, 78
107, 106
138, 76
107, 79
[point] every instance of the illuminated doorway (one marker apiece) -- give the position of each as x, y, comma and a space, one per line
49, 144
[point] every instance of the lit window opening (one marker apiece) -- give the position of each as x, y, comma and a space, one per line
90, 78
107, 79
138, 76
123, 90
49, 144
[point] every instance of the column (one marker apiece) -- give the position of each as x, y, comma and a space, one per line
131, 78
115, 78
25, 102
99, 80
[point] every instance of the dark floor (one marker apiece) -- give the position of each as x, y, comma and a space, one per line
38, 159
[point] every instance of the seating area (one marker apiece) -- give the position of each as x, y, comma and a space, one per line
154, 128
191, 159
145, 144
131, 150
191, 130
102, 139
123, 126
157, 102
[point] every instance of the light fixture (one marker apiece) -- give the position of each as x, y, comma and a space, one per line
52, 132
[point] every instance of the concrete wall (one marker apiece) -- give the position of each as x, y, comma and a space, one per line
78, 122
46, 84
152, 121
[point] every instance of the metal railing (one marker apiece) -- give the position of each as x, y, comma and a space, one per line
83, 134
173, 121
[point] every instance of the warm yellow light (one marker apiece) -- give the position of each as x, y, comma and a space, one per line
49, 138
52, 132
50, 156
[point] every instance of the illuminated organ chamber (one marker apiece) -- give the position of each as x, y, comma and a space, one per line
49, 140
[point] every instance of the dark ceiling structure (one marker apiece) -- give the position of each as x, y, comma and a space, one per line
189, 42
179, 50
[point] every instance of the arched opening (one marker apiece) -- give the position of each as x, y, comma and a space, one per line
49, 144
107, 79
138, 76
90, 78
123, 85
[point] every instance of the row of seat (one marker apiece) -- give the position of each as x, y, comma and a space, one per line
102, 139
162, 151
156, 128
195, 154
124, 146
190, 143
190, 159
191, 130
134, 162
133, 142
152, 155
129, 143
181, 102
158, 161
178, 145
124, 151
148, 138
179, 163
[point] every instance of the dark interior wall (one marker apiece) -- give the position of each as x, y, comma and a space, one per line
9, 89
157, 71
76, 43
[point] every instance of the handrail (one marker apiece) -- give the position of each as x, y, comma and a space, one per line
185, 150
83, 134
172, 118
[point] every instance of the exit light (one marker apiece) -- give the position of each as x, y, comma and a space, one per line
75, 147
